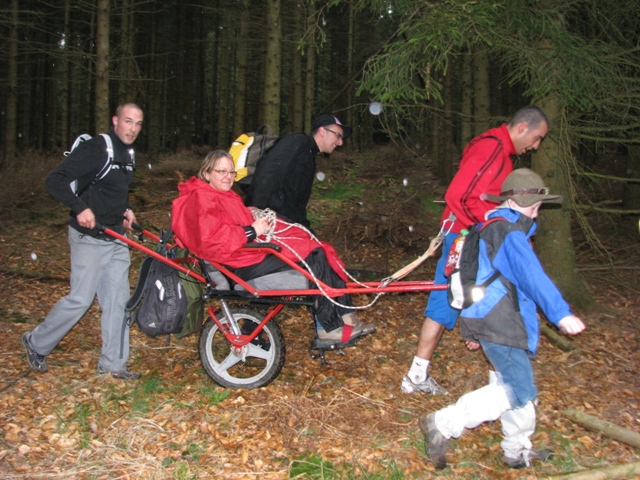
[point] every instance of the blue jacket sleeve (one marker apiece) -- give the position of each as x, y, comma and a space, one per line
519, 264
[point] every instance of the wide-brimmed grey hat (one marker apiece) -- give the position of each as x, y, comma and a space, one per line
525, 187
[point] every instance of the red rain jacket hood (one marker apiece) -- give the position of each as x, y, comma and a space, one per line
210, 223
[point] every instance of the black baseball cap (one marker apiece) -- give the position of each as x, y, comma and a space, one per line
326, 119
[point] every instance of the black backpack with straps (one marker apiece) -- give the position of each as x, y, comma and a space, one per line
163, 302
461, 268
161, 299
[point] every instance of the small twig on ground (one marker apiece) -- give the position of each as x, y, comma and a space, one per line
367, 399
31, 275
306, 388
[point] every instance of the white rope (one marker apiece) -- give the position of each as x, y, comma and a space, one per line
281, 238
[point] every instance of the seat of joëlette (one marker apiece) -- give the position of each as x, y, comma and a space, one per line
284, 280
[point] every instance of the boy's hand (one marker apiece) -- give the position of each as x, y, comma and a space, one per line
571, 325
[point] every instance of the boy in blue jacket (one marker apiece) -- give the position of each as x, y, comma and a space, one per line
505, 324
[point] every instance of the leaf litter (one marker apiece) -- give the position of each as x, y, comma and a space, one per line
176, 423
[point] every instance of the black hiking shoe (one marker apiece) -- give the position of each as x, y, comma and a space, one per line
437, 444
36, 361
120, 374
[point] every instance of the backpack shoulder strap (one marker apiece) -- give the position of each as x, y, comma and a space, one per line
264, 130
107, 166
486, 223
81, 139
497, 274
134, 300
494, 137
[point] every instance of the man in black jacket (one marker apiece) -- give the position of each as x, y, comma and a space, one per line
99, 265
284, 176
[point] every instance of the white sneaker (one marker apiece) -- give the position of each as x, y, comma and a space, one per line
429, 386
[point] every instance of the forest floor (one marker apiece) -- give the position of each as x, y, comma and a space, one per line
347, 420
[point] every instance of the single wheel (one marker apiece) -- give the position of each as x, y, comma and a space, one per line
255, 365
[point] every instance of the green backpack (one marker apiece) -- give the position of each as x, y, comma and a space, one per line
195, 302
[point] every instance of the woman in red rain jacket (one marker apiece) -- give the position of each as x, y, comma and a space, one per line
213, 223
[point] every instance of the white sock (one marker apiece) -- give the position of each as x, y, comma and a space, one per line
418, 371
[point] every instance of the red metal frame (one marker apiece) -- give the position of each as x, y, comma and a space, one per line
239, 341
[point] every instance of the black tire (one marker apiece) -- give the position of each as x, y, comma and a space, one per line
264, 356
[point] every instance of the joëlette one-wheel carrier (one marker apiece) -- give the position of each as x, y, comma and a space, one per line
240, 347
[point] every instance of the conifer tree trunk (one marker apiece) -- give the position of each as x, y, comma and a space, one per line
240, 87
309, 87
273, 66
554, 243
223, 72
186, 71
156, 105
466, 128
631, 194
102, 118
350, 70
310, 72
436, 138
125, 62
86, 80
199, 80
66, 78
447, 132
481, 99
297, 123
12, 88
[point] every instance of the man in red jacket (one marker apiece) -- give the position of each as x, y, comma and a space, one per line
486, 163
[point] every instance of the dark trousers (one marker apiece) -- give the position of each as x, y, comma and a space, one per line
327, 313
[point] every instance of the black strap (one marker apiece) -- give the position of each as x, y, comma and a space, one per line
164, 239
497, 274
491, 279
134, 300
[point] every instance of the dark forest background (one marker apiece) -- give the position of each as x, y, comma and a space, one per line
202, 71
205, 71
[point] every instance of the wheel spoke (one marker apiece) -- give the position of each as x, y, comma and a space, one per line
258, 352
228, 362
